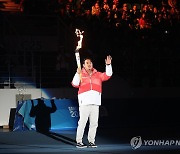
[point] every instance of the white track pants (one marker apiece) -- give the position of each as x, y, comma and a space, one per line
85, 112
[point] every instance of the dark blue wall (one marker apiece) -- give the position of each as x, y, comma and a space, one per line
139, 112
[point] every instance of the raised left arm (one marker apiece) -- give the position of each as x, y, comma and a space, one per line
108, 60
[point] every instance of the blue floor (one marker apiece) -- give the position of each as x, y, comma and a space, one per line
111, 140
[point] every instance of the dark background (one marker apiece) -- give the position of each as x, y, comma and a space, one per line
37, 47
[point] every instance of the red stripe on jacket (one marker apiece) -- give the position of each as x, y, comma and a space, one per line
91, 82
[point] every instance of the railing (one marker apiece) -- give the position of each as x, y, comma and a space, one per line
43, 71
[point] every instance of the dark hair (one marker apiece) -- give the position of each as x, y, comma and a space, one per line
86, 59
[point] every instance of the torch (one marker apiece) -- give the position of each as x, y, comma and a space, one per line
79, 46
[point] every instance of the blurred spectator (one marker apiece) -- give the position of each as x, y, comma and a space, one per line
96, 9
142, 21
134, 16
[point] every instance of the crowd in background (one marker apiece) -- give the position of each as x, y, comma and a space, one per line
120, 19
142, 37
113, 13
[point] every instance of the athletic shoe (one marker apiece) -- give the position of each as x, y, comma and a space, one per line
81, 145
92, 145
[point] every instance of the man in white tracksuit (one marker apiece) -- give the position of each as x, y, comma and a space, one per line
89, 81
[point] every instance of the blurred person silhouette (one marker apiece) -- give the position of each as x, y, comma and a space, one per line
42, 114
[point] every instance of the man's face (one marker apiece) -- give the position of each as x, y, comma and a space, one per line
88, 65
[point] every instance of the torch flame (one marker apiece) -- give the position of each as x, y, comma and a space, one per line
79, 34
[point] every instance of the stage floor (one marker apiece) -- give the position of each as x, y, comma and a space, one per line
109, 140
